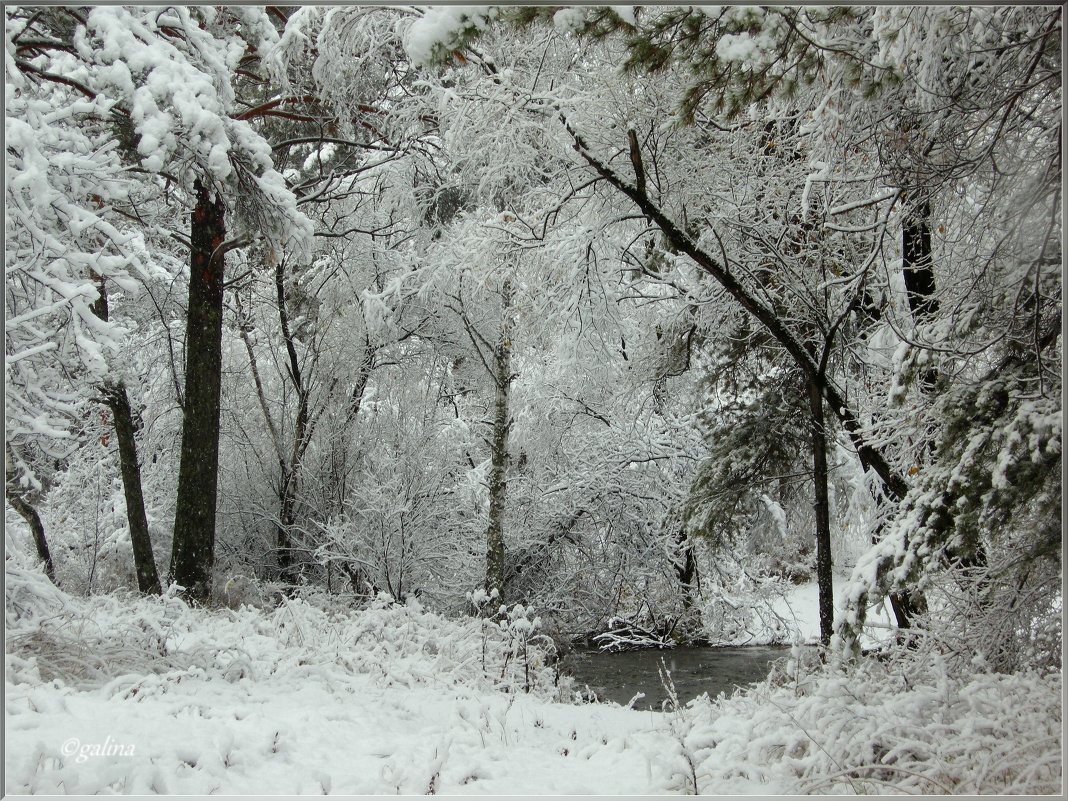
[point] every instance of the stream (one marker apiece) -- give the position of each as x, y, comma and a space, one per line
620, 676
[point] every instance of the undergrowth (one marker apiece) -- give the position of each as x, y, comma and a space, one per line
85, 642
903, 726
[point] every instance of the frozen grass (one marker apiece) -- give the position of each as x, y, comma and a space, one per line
396, 699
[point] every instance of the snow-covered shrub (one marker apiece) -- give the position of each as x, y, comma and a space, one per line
85, 519
525, 648
240, 590
912, 725
89, 641
743, 612
975, 616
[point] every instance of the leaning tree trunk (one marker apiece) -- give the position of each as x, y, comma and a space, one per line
498, 485
33, 520
140, 539
193, 551
821, 506
118, 401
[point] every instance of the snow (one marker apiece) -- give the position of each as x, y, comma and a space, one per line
902, 729
296, 700
791, 615
319, 735
568, 20
736, 47
743, 47
438, 26
778, 515
121, 693
626, 13
135, 695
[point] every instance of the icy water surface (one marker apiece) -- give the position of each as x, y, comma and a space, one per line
619, 677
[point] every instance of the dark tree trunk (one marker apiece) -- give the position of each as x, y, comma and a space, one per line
917, 269
685, 567
284, 545
906, 606
821, 505
917, 266
498, 486
119, 402
193, 553
144, 560
33, 520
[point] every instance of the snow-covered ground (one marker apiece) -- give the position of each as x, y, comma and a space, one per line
145, 696
318, 731
800, 607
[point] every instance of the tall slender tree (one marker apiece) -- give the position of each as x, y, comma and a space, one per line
118, 402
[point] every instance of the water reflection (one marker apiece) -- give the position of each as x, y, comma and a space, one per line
619, 677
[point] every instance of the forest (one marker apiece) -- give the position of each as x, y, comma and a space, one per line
366, 364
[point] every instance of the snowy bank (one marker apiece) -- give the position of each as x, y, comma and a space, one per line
773, 612
112, 694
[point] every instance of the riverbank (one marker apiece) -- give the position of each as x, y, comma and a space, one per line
133, 695
776, 613
799, 607
319, 731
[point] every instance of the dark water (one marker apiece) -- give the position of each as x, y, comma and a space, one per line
618, 677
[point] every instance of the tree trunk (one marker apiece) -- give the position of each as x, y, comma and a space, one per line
284, 540
821, 506
193, 552
917, 269
140, 539
686, 567
33, 520
906, 606
498, 485
119, 402
290, 478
